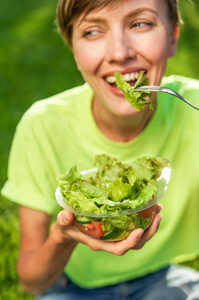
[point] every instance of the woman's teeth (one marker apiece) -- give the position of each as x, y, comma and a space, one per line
126, 77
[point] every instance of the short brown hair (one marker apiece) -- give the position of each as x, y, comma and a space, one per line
70, 10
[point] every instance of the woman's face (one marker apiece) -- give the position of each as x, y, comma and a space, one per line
126, 38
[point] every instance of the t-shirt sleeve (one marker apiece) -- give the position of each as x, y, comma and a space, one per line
31, 181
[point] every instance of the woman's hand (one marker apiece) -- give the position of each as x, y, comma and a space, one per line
136, 240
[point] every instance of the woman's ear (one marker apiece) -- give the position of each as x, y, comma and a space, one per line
174, 36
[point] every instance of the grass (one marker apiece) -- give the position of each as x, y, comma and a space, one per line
35, 64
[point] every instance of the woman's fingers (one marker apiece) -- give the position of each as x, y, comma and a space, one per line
121, 247
118, 247
158, 208
149, 232
65, 218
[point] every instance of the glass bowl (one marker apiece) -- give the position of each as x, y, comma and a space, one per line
118, 225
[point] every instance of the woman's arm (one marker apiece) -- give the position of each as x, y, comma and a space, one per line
45, 253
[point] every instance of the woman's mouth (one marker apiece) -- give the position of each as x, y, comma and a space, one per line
131, 78
126, 77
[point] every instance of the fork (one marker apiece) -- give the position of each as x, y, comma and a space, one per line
154, 88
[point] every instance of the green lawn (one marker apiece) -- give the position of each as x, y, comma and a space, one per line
34, 64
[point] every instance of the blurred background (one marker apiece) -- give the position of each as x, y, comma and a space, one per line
35, 64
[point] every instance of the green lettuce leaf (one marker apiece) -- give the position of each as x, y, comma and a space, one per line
136, 99
117, 190
148, 168
69, 177
80, 202
122, 222
90, 190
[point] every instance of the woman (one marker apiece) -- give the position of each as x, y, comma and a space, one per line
126, 36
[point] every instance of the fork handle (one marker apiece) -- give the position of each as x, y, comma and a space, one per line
157, 88
169, 91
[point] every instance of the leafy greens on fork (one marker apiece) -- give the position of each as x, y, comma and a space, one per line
135, 98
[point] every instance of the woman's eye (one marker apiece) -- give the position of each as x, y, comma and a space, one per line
91, 33
141, 25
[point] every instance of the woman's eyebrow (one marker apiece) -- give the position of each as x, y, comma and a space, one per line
88, 19
101, 20
141, 10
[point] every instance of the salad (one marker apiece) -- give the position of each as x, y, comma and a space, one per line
117, 199
135, 98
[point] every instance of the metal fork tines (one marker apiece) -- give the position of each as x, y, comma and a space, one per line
154, 88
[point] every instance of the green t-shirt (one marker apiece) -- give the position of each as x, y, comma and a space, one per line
59, 132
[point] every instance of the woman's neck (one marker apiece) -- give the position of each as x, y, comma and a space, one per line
121, 128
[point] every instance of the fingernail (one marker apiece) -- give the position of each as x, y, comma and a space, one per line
65, 219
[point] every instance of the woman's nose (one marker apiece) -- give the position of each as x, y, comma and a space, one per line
120, 48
